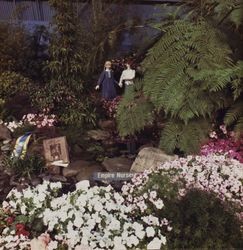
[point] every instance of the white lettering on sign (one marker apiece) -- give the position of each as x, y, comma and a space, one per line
113, 176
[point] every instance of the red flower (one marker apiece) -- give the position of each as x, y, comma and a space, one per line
10, 220
19, 226
23, 232
20, 230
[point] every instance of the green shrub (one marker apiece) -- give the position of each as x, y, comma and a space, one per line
26, 167
202, 221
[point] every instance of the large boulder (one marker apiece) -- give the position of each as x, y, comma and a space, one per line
117, 164
98, 135
87, 172
74, 168
5, 133
150, 157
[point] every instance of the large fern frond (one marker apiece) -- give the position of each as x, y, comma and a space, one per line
186, 68
187, 138
234, 116
134, 112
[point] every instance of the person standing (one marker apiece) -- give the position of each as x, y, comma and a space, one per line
127, 76
107, 83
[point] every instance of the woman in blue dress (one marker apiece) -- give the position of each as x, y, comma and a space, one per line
107, 83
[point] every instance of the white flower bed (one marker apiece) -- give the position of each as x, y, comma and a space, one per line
216, 173
88, 218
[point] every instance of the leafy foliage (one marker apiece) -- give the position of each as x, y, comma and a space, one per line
229, 11
14, 48
187, 75
180, 67
64, 94
12, 84
65, 65
202, 221
234, 115
176, 135
134, 112
31, 164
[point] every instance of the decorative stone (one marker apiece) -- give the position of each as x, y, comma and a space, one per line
36, 181
5, 133
55, 170
57, 178
117, 164
150, 158
74, 168
70, 172
99, 135
86, 173
77, 150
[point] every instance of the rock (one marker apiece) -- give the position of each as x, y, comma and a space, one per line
5, 133
4, 176
106, 124
36, 181
13, 181
46, 177
57, 178
77, 150
36, 148
148, 145
117, 164
86, 173
150, 158
70, 172
99, 135
55, 170
74, 168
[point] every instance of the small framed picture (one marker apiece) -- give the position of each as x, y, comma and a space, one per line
56, 151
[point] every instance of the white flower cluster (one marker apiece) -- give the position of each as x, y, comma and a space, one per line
98, 218
145, 202
12, 125
12, 241
215, 173
39, 120
31, 200
87, 218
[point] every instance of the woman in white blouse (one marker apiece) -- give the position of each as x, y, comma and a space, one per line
127, 76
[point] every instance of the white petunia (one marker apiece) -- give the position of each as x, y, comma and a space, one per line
27, 193
155, 244
78, 222
83, 185
23, 209
159, 204
118, 245
52, 245
54, 185
98, 206
150, 231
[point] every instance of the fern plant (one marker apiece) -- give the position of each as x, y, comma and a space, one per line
188, 73
234, 115
134, 111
